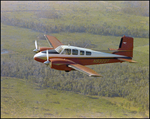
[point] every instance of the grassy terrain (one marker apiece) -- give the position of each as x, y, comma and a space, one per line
90, 12
145, 49
124, 103
20, 98
94, 16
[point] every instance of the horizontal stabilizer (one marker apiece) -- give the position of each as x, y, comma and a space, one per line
112, 49
116, 50
127, 60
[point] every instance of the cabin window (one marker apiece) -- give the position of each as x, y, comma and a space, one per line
74, 52
67, 52
88, 53
81, 52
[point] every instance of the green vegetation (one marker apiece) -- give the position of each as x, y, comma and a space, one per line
91, 25
102, 18
20, 98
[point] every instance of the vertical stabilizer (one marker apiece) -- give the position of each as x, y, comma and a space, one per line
125, 47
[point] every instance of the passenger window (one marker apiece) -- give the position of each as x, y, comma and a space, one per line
81, 52
74, 52
67, 52
88, 53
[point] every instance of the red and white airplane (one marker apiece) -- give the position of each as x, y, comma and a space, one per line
67, 58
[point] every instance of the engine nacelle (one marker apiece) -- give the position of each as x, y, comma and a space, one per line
61, 64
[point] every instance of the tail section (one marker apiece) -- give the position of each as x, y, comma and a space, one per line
125, 47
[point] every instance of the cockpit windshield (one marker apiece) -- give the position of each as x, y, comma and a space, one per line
59, 49
50, 52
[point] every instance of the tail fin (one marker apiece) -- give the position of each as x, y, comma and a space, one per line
125, 47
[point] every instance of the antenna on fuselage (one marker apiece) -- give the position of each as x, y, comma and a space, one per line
85, 45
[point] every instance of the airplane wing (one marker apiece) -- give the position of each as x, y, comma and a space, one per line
84, 69
53, 41
126, 60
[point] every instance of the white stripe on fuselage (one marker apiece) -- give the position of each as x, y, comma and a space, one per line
94, 54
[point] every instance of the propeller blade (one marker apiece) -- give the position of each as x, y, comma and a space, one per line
47, 55
47, 62
36, 44
36, 47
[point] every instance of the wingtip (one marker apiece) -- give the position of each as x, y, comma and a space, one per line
134, 61
95, 75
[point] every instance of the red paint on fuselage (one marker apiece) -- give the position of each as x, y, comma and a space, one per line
85, 61
92, 61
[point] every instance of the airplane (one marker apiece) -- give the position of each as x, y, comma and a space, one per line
67, 58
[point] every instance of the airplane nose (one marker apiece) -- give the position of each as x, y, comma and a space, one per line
39, 57
35, 57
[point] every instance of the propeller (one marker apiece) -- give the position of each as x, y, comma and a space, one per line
47, 62
36, 50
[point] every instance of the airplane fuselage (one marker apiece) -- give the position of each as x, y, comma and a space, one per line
79, 55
